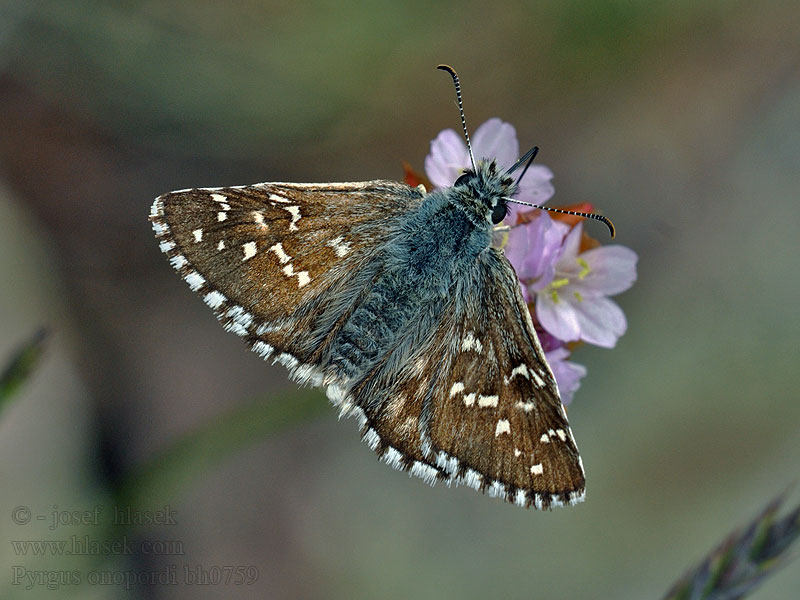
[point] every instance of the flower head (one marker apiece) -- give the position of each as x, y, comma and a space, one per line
574, 305
566, 290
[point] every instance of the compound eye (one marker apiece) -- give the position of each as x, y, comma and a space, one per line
499, 212
462, 179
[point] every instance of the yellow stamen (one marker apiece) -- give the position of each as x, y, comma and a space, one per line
585, 268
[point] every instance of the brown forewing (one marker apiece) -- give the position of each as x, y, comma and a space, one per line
273, 250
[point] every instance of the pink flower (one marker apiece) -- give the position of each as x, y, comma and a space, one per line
568, 290
494, 139
574, 305
568, 374
533, 248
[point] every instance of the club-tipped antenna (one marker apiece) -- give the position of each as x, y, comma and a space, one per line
575, 213
454, 75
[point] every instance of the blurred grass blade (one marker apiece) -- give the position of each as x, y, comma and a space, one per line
21, 365
196, 452
740, 563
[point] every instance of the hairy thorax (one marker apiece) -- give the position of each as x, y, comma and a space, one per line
439, 242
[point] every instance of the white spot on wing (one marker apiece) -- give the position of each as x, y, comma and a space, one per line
545, 439
241, 316
339, 246
487, 401
277, 198
279, 252
267, 328
561, 435
457, 387
219, 198
425, 472
536, 379
262, 349
537, 469
497, 489
295, 212
249, 250
221, 245
473, 479
393, 458
214, 299
503, 426
526, 406
372, 438
469, 399
303, 278
221, 216
195, 280
520, 370
157, 210
471, 343
236, 328
178, 261
198, 235
287, 360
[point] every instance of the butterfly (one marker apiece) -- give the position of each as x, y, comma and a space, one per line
395, 301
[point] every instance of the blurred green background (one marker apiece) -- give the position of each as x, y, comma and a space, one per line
679, 120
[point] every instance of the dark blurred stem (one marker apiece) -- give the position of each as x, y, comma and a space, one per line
161, 477
21, 365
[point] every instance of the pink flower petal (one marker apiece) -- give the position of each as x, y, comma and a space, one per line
600, 321
496, 139
533, 248
572, 243
568, 374
447, 159
517, 250
612, 270
558, 318
536, 187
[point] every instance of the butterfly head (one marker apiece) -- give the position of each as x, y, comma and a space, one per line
482, 192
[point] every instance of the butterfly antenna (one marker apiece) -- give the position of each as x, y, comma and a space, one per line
527, 158
563, 211
453, 73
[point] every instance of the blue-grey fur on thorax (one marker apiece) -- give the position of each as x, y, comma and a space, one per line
436, 245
